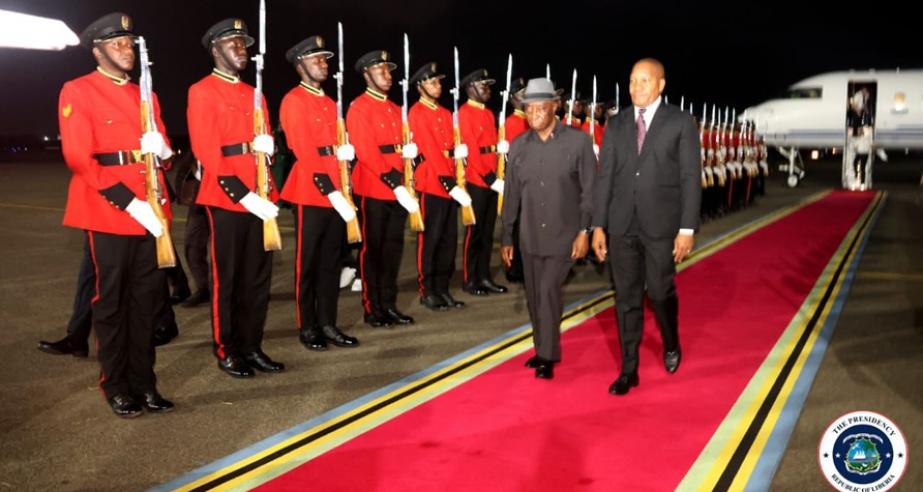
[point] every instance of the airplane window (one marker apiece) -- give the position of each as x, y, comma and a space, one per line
900, 103
804, 93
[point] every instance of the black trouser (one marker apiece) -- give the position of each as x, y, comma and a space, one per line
516, 268
637, 262
479, 238
130, 291
319, 235
544, 280
380, 256
240, 282
197, 245
437, 243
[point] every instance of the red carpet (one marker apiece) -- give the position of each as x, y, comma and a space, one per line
506, 431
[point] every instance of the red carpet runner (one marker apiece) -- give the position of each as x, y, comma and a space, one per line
507, 431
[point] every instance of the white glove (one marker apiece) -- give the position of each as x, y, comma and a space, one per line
497, 186
503, 147
144, 214
264, 144
341, 206
461, 196
596, 150
461, 151
261, 207
409, 151
346, 152
406, 201
153, 143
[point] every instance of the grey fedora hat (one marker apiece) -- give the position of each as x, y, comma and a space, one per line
539, 90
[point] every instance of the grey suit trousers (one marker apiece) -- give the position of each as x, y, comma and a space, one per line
544, 279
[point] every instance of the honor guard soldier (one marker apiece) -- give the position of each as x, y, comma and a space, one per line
516, 123
599, 124
579, 105
100, 120
221, 131
479, 132
434, 179
309, 119
374, 125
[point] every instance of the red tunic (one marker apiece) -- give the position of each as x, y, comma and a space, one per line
431, 125
309, 119
97, 115
220, 113
373, 121
515, 125
597, 131
478, 130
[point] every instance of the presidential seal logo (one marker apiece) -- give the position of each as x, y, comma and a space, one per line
863, 452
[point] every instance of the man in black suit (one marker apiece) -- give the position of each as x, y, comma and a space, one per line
549, 186
647, 196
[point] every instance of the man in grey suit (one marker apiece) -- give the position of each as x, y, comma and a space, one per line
647, 196
549, 184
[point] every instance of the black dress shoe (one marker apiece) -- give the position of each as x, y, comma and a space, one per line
493, 288
377, 320
154, 403
434, 302
164, 333
671, 360
124, 406
544, 370
533, 362
451, 301
179, 295
259, 360
200, 296
475, 290
338, 338
514, 277
398, 317
235, 367
624, 383
313, 339
64, 346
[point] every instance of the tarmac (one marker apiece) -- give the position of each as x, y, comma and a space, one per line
59, 434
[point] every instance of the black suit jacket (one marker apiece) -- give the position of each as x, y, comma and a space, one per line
661, 185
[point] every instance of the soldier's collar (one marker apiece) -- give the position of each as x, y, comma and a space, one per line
475, 104
428, 103
115, 79
520, 113
311, 89
378, 96
233, 79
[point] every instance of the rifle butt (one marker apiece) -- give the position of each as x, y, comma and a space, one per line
166, 255
353, 232
416, 222
467, 214
272, 239
499, 204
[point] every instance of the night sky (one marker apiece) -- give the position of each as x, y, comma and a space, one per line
733, 53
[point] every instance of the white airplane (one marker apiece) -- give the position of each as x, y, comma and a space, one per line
812, 113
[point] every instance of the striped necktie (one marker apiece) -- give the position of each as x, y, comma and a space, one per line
642, 129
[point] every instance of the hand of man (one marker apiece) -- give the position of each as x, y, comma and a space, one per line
596, 150
461, 196
599, 244
497, 186
506, 254
406, 201
259, 206
346, 152
264, 144
581, 246
341, 206
460, 152
144, 214
682, 246
503, 147
409, 151
153, 143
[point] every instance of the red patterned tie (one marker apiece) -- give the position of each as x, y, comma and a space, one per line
642, 129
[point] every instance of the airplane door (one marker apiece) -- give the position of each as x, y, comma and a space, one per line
860, 134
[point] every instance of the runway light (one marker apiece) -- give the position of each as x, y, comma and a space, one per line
33, 32
815, 154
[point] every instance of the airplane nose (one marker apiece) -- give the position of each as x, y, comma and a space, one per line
760, 116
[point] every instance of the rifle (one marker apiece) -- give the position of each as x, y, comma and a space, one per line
573, 95
272, 240
501, 132
353, 231
592, 115
166, 256
416, 218
467, 212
